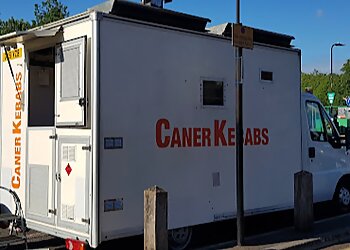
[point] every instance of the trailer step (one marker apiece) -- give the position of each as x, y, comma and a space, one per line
11, 239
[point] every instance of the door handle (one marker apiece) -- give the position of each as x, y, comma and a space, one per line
52, 211
87, 221
312, 152
82, 102
53, 137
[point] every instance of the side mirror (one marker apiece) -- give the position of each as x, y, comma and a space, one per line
335, 142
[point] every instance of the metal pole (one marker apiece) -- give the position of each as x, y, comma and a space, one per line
332, 66
239, 136
331, 76
238, 11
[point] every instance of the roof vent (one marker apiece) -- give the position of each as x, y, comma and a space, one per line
155, 3
260, 36
147, 12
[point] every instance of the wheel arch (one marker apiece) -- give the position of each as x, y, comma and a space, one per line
342, 179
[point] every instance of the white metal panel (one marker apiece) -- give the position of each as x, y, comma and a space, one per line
40, 161
269, 171
73, 184
164, 82
38, 188
70, 83
13, 124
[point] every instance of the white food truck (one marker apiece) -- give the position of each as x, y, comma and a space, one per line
100, 106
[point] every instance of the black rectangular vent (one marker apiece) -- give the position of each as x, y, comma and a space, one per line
266, 75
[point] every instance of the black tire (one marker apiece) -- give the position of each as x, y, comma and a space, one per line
342, 196
180, 238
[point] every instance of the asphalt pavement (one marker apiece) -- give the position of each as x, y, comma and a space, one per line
334, 231
324, 233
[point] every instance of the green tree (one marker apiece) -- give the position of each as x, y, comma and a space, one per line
346, 67
345, 79
12, 25
320, 84
46, 12
49, 11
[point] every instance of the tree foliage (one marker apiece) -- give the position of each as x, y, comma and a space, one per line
13, 24
49, 11
320, 84
46, 12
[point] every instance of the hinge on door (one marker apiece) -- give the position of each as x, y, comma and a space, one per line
58, 177
88, 148
53, 137
52, 211
87, 221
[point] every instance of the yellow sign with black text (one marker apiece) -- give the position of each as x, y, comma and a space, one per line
12, 54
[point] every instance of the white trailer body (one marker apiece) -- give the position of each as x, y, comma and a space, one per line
161, 100
102, 107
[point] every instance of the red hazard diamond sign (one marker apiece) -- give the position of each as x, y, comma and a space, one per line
68, 169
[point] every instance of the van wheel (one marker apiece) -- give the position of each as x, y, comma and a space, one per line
342, 196
179, 238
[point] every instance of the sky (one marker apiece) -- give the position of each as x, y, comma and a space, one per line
315, 24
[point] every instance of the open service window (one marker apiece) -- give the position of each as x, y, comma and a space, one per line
212, 93
41, 88
70, 83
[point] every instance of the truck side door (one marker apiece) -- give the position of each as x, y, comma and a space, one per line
325, 155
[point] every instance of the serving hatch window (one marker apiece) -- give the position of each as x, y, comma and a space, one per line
212, 93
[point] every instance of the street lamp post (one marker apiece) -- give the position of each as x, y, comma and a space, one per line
334, 45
